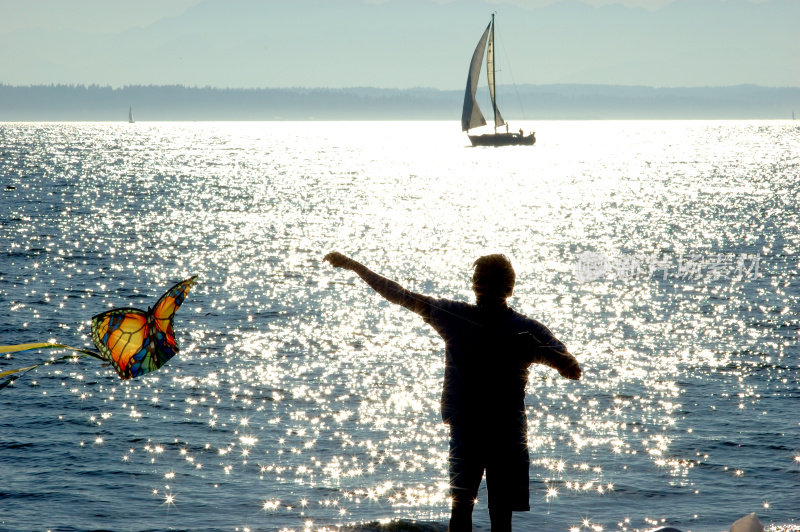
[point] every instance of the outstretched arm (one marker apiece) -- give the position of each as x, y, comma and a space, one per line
390, 290
563, 362
555, 356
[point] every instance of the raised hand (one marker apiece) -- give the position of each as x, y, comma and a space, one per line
339, 260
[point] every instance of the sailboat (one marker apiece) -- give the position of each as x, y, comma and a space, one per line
471, 116
130, 115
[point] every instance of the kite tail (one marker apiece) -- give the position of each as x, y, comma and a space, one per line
14, 374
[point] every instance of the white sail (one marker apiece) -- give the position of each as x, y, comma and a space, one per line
130, 115
490, 71
471, 114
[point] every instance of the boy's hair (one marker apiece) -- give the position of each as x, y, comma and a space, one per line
493, 275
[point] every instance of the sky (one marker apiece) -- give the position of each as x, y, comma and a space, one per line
398, 43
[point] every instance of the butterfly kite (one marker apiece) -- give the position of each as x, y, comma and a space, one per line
135, 342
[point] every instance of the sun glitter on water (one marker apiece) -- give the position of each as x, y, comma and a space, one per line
295, 385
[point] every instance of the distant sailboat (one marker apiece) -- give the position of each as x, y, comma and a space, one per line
130, 115
471, 115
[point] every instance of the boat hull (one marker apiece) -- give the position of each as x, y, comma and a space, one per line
503, 139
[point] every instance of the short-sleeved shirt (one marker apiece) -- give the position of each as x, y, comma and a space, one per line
486, 362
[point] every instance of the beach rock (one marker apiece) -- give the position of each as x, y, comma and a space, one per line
748, 523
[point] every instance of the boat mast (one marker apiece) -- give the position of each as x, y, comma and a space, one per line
494, 87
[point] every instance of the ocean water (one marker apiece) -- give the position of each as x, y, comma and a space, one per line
664, 254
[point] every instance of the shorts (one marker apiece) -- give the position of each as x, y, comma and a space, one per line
501, 453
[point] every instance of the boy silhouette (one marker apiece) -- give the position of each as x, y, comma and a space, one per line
489, 348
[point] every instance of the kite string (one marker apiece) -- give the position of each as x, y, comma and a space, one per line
14, 374
18, 348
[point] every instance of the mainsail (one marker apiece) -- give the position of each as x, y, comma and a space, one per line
471, 115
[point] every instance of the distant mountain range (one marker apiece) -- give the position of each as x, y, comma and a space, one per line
529, 102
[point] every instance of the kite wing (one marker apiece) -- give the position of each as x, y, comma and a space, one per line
164, 312
122, 336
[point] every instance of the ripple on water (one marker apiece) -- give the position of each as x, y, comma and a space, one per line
299, 400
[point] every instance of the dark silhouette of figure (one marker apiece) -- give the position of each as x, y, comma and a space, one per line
489, 348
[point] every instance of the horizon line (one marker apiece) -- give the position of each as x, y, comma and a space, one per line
363, 87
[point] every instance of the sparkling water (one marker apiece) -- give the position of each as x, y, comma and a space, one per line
664, 255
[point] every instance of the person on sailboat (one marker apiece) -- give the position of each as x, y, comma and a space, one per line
489, 349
